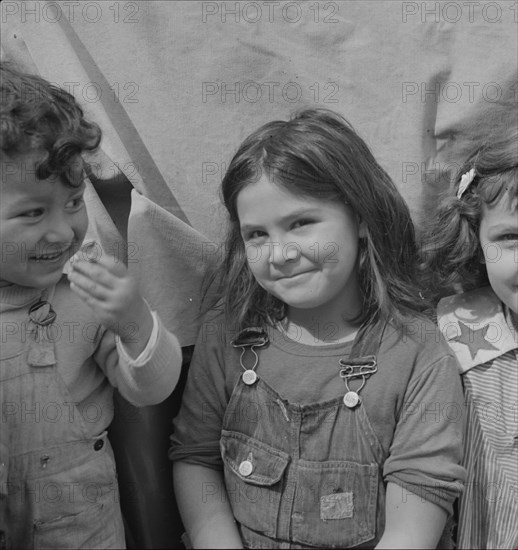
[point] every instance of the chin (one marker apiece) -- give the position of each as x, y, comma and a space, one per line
303, 304
42, 282
510, 299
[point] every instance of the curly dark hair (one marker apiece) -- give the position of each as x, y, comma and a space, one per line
318, 154
451, 252
35, 114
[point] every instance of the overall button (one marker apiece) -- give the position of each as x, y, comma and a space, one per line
98, 445
249, 377
246, 468
351, 399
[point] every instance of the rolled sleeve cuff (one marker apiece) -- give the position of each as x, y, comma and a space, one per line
202, 454
146, 353
442, 493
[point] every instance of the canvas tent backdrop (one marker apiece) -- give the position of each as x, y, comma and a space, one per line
176, 86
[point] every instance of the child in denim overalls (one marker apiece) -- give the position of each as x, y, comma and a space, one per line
64, 344
474, 244
320, 410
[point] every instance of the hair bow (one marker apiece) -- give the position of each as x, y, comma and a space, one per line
465, 182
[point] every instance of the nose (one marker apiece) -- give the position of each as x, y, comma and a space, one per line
60, 229
282, 253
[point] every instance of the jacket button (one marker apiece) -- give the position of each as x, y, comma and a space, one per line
246, 468
98, 445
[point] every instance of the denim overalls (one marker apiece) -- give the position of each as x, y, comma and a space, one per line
58, 487
300, 476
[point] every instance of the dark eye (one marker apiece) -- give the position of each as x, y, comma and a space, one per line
257, 234
76, 203
36, 213
509, 237
302, 223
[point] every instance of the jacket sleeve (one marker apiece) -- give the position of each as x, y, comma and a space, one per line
148, 379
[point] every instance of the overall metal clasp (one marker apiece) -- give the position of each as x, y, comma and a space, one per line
250, 338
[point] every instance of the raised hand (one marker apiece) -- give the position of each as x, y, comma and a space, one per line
105, 284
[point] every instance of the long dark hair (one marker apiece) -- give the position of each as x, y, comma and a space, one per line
318, 154
451, 251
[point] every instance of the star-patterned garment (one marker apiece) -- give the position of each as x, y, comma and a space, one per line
480, 331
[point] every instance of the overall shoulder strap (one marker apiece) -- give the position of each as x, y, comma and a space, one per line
250, 337
367, 342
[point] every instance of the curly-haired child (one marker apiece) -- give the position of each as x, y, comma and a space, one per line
473, 246
65, 342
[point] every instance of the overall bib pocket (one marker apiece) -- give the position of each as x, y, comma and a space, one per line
253, 479
335, 504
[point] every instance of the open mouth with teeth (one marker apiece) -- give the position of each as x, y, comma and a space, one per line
48, 257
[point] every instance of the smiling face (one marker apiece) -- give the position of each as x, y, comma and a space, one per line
42, 223
499, 241
301, 250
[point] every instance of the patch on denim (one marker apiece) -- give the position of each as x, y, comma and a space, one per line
336, 506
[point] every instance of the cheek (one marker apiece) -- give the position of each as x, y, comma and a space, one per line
257, 268
253, 254
17, 239
257, 258
330, 255
502, 266
81, 224
491, 252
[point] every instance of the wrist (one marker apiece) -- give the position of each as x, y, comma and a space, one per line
135, 334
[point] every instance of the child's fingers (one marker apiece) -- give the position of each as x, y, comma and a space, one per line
92, 253
89, 251
95, 271
92, 279
91, 298
113, 265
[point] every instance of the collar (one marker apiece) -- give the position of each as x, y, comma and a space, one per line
14, 296
35, 305
477, 326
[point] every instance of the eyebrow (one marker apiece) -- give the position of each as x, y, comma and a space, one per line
310, 211
22, 201
30, 199
503, 227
